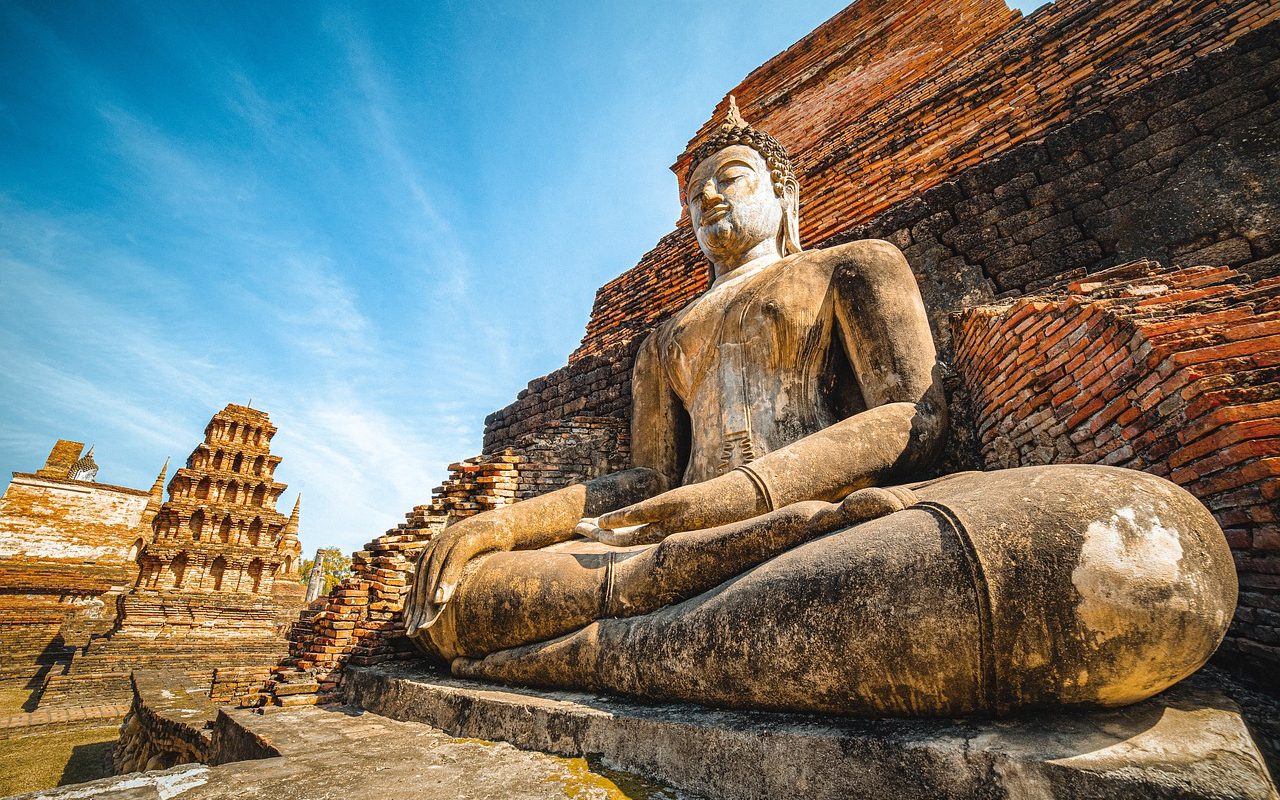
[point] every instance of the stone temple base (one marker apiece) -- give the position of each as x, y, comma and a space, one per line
1188, 742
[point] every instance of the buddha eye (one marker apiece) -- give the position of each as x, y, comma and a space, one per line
732, 176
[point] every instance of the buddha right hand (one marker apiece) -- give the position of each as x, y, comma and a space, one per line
528, 525
442, 562
731, 497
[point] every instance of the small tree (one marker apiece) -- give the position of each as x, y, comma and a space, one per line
333, 565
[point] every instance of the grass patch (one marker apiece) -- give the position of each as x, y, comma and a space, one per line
42, 761
12, 696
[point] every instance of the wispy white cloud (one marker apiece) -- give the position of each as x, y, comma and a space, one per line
68, 393
424, 226
114, 369
209, 220
170, 173
360, 467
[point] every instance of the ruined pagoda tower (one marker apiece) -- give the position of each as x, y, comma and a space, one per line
220, 533
217, 577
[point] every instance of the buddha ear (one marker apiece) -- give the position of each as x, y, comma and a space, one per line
789, 230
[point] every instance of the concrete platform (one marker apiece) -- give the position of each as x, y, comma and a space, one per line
1186, 743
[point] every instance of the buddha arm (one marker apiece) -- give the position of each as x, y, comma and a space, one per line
538, 522
659, 423
881, 321
551, 518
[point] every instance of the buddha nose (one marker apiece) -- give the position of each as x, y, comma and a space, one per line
710, 196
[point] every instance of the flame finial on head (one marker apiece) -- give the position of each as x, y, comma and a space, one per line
733, 118
736, 130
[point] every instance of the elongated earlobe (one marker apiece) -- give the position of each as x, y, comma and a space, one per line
789, 229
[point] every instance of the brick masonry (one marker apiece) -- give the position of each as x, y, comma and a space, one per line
218, 584
1171, 371
68, 550
360, 621
169, 722
38, 723
888, 100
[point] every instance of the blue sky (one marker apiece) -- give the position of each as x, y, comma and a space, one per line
377, 221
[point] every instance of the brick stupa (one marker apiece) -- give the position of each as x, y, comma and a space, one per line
219, 534
218, 578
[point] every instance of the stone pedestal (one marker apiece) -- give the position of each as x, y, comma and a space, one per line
1188, 742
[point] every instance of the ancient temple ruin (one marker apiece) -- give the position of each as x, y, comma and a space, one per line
206, 582
220, 535
68, 551
1079, 175
1023, 165
1086, 196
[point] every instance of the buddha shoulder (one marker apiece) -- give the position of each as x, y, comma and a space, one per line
862, 261
863, 254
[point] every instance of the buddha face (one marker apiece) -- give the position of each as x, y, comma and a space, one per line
735, 213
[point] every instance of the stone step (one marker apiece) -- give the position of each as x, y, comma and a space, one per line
1190, 741
289, 701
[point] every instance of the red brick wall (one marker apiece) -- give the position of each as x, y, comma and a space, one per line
888, 99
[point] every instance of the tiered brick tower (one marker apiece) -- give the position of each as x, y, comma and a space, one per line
220, 534
218, 574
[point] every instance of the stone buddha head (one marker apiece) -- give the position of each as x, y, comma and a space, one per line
743, 197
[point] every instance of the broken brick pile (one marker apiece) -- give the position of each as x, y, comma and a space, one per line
477, 484
360, 621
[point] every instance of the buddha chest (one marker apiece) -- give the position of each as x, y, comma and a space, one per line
750, 361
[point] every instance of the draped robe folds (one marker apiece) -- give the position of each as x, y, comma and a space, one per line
780, 352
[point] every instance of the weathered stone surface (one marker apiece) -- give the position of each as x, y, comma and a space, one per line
989, 592
314, 754
1188, 742
798, 376
168, 723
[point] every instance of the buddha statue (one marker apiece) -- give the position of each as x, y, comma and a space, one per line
782, 543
